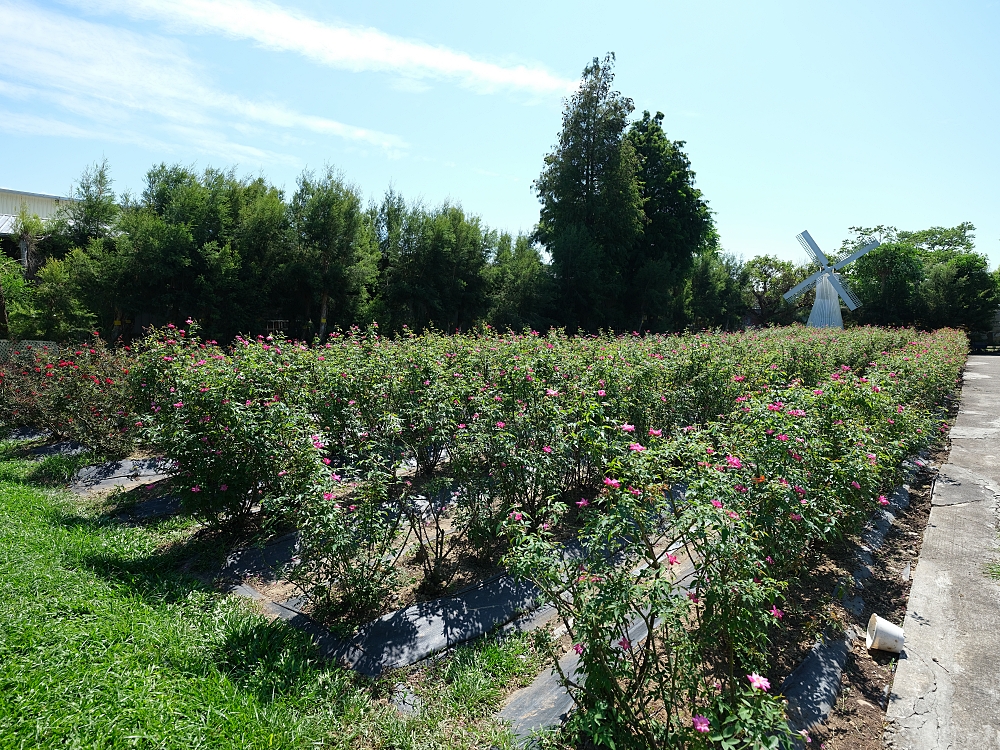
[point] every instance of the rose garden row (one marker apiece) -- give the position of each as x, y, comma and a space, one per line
780, 439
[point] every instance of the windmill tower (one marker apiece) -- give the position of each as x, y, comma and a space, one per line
829, 288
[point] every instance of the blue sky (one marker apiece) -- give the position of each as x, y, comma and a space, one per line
814, 116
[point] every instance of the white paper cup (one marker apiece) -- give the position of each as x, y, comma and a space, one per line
882, 635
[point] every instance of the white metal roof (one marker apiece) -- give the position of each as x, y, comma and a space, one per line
34, 195
44, 206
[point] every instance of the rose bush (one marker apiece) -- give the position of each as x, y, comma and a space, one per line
79, 393
782, 468
237, 440
724, 456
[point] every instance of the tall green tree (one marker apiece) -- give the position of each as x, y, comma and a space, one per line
204, 245
433, 266
960, 239
13, 290
519, 285
266, 275
958, 291
52, 310
886, 279
592, 213
92, 214
335, 245
930, 277
677, 226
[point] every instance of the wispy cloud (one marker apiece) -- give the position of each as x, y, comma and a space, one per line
26, 124
118, 80
340, 46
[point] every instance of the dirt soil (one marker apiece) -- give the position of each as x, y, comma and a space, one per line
815, 604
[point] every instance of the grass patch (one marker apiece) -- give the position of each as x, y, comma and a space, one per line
106, 643
49, 470
60, 469
993, 570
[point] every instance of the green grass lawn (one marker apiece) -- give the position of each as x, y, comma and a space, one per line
105, 643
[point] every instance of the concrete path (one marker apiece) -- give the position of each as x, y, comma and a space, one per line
946, 690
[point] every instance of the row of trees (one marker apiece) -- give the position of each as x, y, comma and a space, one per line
625, 241
238, 256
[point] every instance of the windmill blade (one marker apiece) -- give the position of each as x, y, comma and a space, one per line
812, 249
856, 254
846, 293
802, 287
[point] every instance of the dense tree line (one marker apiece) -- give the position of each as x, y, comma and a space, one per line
932, 277
237, 255
624, 241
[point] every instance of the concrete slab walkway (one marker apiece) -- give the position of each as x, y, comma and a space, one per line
946, 690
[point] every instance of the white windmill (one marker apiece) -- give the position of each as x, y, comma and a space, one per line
829, 288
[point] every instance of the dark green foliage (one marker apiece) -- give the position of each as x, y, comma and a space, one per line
959, 292
49, 309
765, 279
334, 247
432, 266
592, 207
520, 285
678, 224
91, 215
713, 296
13, 290
932, 278
886, 281
625, 241
620, 215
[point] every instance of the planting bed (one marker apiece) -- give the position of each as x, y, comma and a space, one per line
412, 467
819, 594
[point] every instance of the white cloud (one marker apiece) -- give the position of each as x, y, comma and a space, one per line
340, 46
25, 124
121, 81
